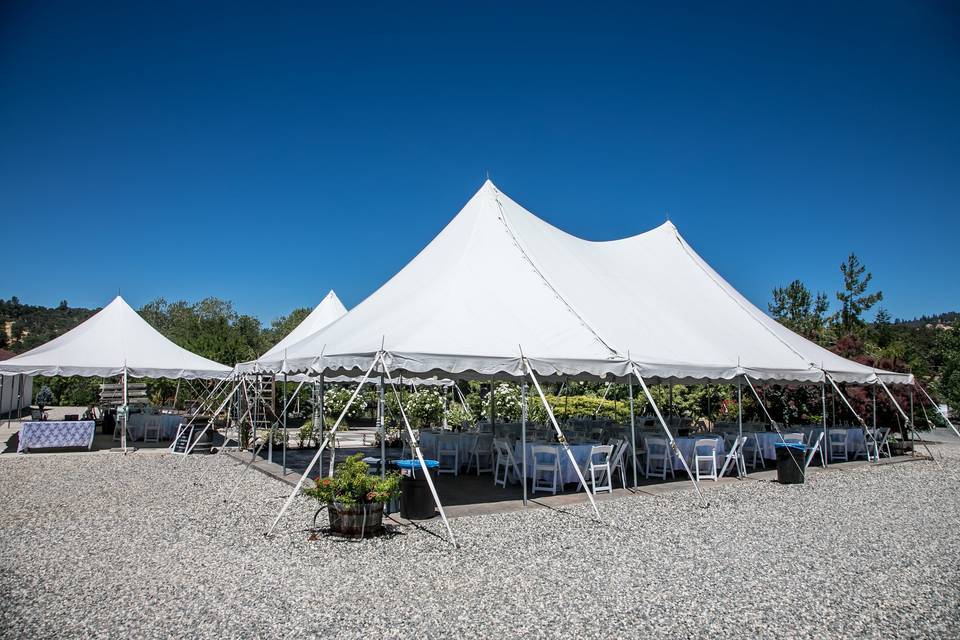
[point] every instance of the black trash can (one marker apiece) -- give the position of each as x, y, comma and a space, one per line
791, 457
416, 501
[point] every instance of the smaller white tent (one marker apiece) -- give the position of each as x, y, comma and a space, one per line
328, 311
114, 341
323, 315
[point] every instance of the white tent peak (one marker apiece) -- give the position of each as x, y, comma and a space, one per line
112, 340
328, 311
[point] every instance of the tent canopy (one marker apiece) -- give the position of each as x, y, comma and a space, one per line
114, 339
326, 313
329, 310
498, 280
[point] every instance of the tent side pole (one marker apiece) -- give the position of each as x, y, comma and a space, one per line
285, 408
903, 432
523, 438
826, 430
633, 436
562, 440
313, 461
382, 426
126, 411
663, 423
740, 410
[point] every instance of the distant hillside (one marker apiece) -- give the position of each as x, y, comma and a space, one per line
24, 326
948, 318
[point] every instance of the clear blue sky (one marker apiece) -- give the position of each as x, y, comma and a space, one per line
265, 154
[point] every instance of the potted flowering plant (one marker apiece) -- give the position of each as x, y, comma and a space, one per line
354, 498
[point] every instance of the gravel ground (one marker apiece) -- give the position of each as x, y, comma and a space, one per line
102, 545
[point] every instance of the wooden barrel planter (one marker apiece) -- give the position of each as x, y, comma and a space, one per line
356, 521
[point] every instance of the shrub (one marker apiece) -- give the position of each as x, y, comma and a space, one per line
457, 415
424, 408
336, 398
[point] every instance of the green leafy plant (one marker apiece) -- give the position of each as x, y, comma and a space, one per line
456, 416
352, 484
306, 434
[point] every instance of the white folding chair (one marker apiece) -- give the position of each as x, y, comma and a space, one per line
839, 445
883, 442
448, 455
814, 449
735, 457
619, 460
546, 469
151, 429
599, 463
504, 461
659, 461
705, 458
752, 451
482, 453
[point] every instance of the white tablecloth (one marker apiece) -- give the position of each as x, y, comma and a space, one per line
465, 442
47, 435
768, 439
581, 452
686, 444
137, 422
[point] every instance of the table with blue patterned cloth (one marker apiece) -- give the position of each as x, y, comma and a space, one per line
48, 435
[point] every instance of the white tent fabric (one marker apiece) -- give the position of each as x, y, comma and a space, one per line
498, 279
326, 313
329, 310
114, 339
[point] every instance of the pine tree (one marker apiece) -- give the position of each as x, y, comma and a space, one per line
854, 299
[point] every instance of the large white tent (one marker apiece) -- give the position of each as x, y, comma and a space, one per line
500, 293
114, 341
499, 281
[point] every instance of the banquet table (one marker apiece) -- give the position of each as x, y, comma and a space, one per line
465, 443
568, 474
685, 446
47, 435
768, 439
137, 422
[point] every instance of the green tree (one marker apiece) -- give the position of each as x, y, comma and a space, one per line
796, 308
854, 299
